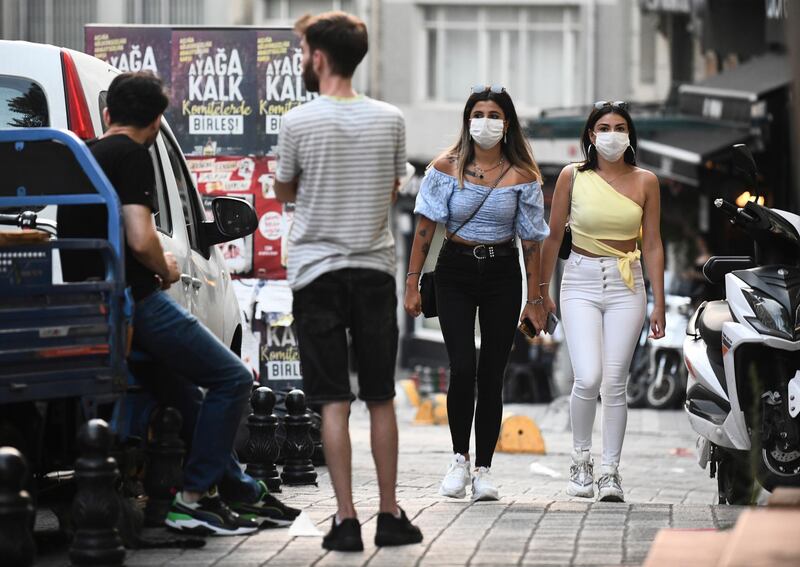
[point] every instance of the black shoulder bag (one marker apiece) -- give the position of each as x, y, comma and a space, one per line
566, 241
427, 282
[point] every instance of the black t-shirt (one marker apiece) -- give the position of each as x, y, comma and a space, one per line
128, 167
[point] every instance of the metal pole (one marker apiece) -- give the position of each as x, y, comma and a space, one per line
793, 39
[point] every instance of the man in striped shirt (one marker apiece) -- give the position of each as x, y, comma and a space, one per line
340, 158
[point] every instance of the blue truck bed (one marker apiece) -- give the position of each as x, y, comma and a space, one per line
58, 340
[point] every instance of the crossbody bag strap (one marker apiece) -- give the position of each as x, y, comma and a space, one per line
475, 212
571, 186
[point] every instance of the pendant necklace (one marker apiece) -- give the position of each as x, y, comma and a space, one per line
479, 172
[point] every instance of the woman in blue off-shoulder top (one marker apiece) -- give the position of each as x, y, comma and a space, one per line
486, 190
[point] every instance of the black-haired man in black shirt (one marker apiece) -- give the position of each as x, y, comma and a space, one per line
192, 356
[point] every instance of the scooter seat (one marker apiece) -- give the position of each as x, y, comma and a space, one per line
710, 321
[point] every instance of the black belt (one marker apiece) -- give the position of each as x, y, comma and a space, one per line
481, 251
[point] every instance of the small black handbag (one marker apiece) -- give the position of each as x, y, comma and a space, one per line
427, 281
427, 293
566, 241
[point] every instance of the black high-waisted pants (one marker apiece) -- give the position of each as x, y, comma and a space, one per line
492, 288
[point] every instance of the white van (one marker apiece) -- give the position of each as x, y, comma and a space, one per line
44, 85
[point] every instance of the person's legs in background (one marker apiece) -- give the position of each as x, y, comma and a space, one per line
179, 343
622, 323
498, 314
457, 303
581, 314
321, 315
373, 325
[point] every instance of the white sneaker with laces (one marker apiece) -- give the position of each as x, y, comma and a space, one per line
455, 482
483, 487
609, 485
581, 476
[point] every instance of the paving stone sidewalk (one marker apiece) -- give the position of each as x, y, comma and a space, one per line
534, 523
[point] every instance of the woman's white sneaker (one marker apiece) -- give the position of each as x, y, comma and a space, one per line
581, 476
483, 487
609, 485
455, 482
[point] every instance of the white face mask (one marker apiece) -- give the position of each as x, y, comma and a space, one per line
486, 132
611, 145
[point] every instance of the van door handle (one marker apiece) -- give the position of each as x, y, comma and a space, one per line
186, 279
196, 283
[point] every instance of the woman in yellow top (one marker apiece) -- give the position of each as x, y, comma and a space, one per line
603, 298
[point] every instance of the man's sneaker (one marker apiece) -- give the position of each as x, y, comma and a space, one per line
208, 516
581, 478
455, 482
609, 485
396, 531
269, 512
483, 487
345, 536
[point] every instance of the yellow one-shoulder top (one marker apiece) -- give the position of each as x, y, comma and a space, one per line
600, 212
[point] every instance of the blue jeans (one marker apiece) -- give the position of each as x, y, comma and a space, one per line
193, 356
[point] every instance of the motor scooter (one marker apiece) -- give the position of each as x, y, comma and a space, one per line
742, 354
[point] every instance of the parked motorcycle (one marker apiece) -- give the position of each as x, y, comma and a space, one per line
742, 355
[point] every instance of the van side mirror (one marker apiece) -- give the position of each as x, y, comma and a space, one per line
744, 166
233, 218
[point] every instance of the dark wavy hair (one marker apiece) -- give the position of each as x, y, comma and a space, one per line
516, 148
136, 99
590, 157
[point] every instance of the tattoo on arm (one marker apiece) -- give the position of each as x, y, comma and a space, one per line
528, 250
426, 247
423, 232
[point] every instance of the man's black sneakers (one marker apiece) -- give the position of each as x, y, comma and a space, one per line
208, 516
268, 512
396, 531
344, 537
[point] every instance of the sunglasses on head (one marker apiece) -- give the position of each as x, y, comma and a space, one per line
496, 89
620, 104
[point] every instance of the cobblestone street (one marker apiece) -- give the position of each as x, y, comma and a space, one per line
534, 523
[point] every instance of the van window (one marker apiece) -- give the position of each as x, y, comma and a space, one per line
187, 193
162, 214
22, 104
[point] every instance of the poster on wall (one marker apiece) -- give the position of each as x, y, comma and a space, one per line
279, 61
229, 89
132, 48
252, 177
213, 92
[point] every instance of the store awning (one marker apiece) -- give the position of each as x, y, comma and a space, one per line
737, 94
681, 152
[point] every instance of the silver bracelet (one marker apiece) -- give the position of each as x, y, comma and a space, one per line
538, 301
544, 284
409, 274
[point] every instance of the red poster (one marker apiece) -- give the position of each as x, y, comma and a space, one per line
252, 178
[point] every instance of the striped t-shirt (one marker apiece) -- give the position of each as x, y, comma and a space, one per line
348, 154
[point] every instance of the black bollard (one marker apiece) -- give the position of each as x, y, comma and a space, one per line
164, 472
95, 509
262, 446
298, 468
16, 511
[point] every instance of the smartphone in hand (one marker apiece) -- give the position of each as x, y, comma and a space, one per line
527, 328
552, 323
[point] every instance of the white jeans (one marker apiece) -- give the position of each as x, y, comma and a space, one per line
602, 320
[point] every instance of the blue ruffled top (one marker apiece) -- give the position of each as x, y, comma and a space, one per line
516, 209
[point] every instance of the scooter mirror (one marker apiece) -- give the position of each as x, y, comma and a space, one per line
744, 166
